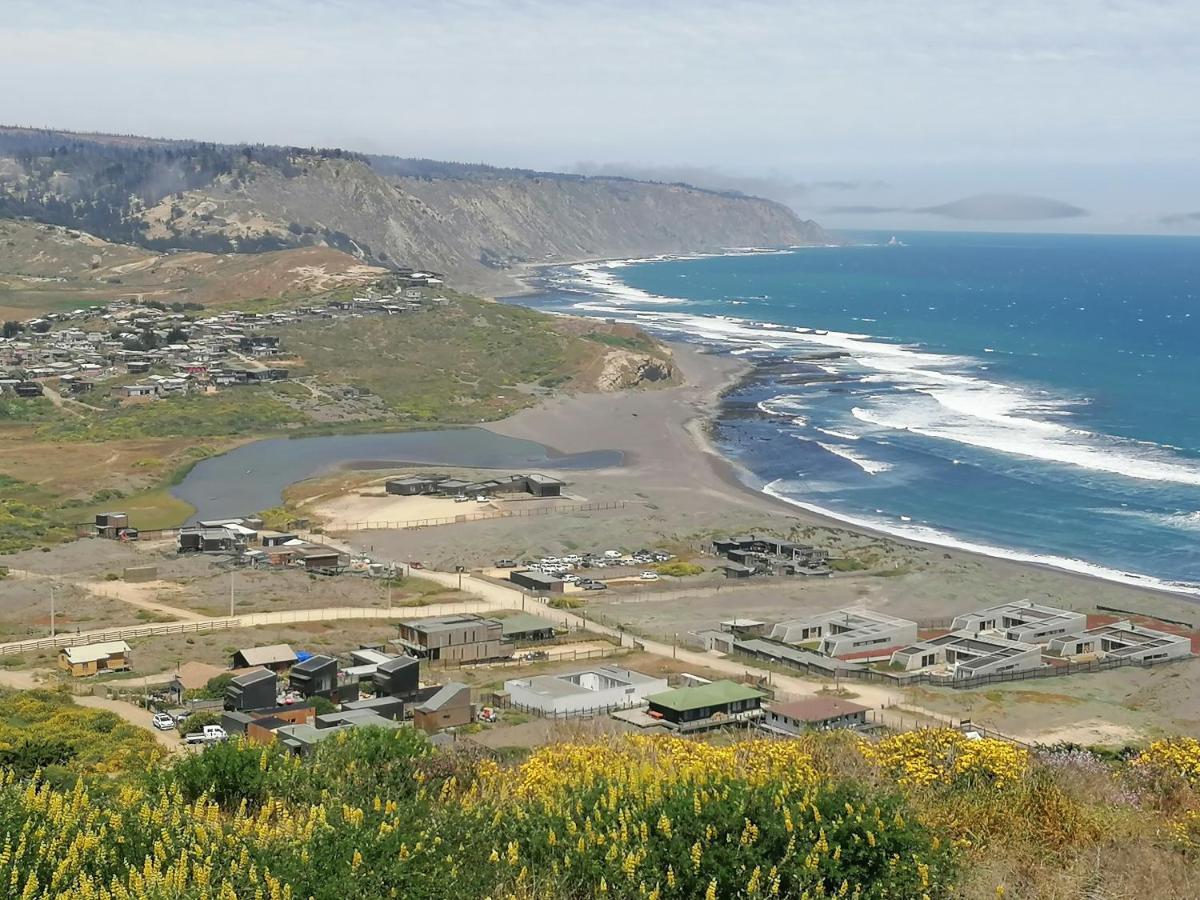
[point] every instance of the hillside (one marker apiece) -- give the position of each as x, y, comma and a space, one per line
470, 222
375, 813
47, 267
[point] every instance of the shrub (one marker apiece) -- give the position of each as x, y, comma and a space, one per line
678, 569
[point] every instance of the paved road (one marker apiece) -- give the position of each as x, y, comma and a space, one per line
135, 716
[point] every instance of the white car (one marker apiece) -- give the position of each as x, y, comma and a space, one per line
163, 722
649, 576
481, 499
612, 554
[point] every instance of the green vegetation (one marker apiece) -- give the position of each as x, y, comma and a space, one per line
245, 411
45, 729
26, 409
465, 362
678, 569
637, 341
149, 510
25, 519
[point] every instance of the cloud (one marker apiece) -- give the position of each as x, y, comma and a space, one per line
862, 210
1184, 220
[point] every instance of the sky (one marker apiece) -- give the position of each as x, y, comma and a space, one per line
855, 112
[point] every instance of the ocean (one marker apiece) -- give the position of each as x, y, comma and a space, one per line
1029, 396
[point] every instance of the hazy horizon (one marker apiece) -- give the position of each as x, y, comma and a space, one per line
868, 117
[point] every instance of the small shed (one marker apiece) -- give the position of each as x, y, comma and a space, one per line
136, 574
450, 707
736, 570
275, 538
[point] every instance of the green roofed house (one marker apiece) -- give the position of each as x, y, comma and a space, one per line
526, 627
707, 705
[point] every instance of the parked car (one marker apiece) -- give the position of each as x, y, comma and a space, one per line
163, 722
506, 564
461, 498
596, 586
212, 734
649, 576
612, 554
481, 499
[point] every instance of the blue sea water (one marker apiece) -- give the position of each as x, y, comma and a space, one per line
1035, 396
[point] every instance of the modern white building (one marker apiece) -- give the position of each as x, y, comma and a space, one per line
1024, 621
845, 631
968, 655
589, 690
1122, 640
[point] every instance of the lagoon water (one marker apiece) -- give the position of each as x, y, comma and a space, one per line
1032, 396
252, 477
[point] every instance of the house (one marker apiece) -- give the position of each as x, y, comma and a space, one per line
842, 632
544, 486
200, 539
275, 538
526, 627
387, 707
397, 677
139, 391
706, 705
256, 689
276, 657
813, 714
460, 638
110, 525
412, 486
259, 725
712, 641
28, 389
315, 676
1025, 621
539, 582
589, 690
303, 739
450, 707
969, 655
94, 659
319, 559
1122, 640
736, 570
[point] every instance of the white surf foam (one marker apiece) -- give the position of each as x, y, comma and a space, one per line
965, 409
840, 435
927, 535
870, 466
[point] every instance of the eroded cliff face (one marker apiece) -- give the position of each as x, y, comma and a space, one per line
623, 369
472, 229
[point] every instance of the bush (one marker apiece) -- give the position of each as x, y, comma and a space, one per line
678, 569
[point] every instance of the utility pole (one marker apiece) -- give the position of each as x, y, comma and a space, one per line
52, 609
231, 593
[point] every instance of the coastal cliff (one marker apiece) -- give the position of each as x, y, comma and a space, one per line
472, 223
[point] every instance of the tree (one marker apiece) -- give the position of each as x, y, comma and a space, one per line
177, 336
11, 329
41, 326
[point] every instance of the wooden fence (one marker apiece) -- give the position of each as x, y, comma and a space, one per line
476, 517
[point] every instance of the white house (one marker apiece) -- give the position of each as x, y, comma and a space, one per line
589, 690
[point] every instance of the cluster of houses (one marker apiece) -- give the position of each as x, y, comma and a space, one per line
86, 347
756, 555
536, 485
1000, 640
698, 704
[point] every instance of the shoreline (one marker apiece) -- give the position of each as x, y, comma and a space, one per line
939, 540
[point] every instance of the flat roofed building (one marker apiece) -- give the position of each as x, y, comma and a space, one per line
537, 581
844, 631
92, 659
544, 485
969, 655
1122, 640
721, 700
1024, 620
588, 690
465, 638
813, 714
526, 627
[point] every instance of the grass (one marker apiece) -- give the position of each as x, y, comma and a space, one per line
149, 510
245, 411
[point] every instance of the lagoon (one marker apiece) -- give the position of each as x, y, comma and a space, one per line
253, 477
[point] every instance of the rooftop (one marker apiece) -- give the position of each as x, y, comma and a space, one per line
265, 656
718, 693
568, 684
86, 653
522, 622
816, 709
445, 623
